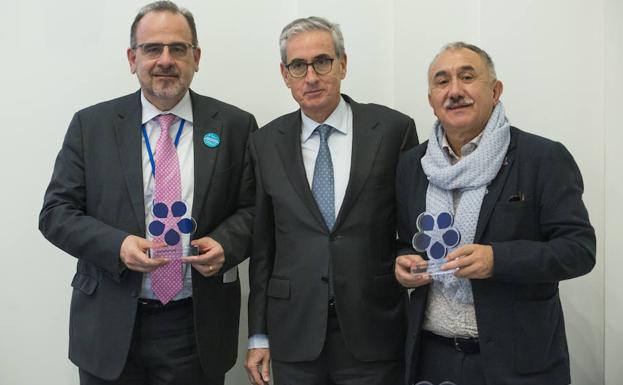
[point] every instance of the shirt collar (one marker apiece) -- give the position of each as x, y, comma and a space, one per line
466, 149
338, 120
183, 109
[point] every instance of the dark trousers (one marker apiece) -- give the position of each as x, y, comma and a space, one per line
442, 363
163, 349
336, 365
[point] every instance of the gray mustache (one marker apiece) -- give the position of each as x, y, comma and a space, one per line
457, 102
165, 73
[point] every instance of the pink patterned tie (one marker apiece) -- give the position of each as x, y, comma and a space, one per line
167, 280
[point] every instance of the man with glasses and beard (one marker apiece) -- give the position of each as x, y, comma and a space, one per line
163, 170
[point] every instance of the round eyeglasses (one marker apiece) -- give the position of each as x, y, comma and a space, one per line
321, 65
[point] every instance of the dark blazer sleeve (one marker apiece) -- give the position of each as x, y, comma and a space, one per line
403, 191
63, 219
234, 232
566, 241
261, 262
410, 138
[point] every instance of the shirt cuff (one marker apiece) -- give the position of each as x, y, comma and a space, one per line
258, 341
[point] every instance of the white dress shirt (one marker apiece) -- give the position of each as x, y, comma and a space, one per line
341, 147
185, 154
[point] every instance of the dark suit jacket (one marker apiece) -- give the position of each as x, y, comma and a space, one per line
537, 241
95, 199
292, 245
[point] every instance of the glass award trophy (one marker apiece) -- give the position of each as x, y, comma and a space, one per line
436, 236
169, 223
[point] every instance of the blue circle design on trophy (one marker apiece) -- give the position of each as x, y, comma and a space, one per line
160, 210
156, 228
183, 225
211, 139
186, 225
172, 237
178, 208
436, 235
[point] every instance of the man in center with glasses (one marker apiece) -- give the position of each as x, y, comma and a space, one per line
132, 174
324, 304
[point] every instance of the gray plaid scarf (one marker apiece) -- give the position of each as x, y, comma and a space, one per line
470, 176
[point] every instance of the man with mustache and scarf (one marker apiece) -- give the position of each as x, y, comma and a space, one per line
516, 199
132, 174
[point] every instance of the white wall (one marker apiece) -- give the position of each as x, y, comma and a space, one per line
613, 135
560, 62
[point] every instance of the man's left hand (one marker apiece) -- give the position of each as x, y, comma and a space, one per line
212, 256
473, 261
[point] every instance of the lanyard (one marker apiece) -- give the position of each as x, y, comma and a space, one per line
148, 146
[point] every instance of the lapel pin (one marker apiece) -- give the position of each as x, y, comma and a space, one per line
211, 139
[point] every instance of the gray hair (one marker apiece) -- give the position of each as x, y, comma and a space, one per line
163, 6
312, 23
484, 56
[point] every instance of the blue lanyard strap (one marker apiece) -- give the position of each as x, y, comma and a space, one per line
148, 146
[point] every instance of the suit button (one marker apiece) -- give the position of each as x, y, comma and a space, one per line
324, 279
336, 237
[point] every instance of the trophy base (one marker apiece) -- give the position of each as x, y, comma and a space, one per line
430, 269
168, 251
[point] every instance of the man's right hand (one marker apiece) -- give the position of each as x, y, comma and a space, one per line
258, 366
133, 255
403, 273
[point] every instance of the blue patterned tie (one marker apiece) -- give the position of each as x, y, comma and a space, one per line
322, 184
323, 189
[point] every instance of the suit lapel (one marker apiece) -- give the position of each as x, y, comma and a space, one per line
367, 137
419, 194
127, 125
495, 189
289, 148
204, 121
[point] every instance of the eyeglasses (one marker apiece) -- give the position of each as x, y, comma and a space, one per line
154, 50
322, 66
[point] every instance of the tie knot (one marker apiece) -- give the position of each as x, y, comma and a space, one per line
165, 121
324, 130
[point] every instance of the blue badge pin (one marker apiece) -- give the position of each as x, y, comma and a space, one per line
211, 139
